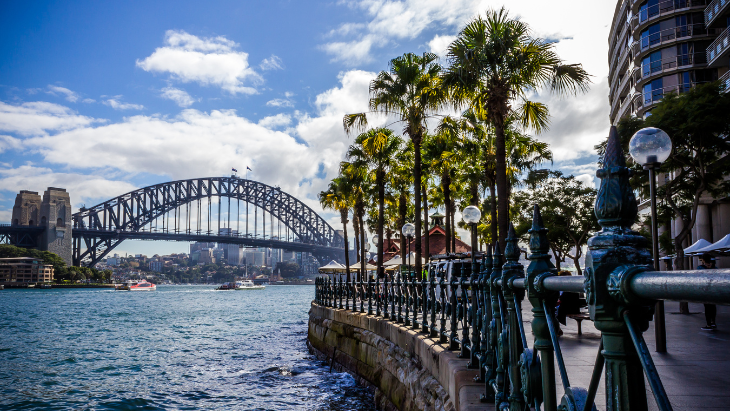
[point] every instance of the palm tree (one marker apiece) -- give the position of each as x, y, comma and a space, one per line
357, 178
442, 151
494, 64
400, 179
410, 90
338, 197
375, 151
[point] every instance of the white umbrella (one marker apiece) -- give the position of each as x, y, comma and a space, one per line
723, 245
397, 260
696, 247
368, 267
332, 267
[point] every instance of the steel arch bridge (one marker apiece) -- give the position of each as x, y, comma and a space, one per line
145, 214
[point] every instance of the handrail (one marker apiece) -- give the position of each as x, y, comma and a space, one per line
660, 66
720, 45
713, 10
662, 8
725, 81
700, 286
671, 34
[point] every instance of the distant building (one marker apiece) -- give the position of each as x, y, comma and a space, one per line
25, 270
156, 265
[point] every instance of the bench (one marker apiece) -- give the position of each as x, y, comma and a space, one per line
579, 318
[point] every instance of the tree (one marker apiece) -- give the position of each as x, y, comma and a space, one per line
442, 154
566, 206
338, 197
494, 65
410, 90
287, 269
375, 150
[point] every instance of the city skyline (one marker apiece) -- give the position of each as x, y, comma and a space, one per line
103, 99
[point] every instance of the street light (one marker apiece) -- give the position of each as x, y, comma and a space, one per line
650, 147
409, 230
471, 216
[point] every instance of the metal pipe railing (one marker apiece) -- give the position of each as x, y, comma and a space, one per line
698, 286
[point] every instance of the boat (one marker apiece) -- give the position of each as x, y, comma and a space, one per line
226, 287
248, 285
45, 286
143, 285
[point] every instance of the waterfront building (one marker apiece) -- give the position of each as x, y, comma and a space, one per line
662, 46
24, 270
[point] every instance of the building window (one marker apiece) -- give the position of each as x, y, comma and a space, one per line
650, 36
651, 63
59, 222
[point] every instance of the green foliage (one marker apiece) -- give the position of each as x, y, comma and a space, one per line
287, 269
566, 206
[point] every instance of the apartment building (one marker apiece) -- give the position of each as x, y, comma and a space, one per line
25, 270
662, 46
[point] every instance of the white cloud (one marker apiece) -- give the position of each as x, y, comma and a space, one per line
37, 118
206, 61
282, 102
70, 95
279, 120
118, 105
83, 188
9, 143
439, 45
271, 63
180, 97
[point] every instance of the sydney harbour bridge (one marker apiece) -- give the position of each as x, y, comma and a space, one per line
228, 210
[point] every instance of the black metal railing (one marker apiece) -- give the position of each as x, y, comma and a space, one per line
477, 310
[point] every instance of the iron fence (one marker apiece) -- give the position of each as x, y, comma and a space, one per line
478, 311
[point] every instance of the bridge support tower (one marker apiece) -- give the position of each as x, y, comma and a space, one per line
52, 214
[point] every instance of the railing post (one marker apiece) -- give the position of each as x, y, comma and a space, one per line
400, 296
386, 314
475, 315
339, 290
416, 302
463, 312
500, 337
511, 271
361, 292
434, 303
377, 295
407, 300
540, 388
370, 295
616, 245
346, 291
444, 307
425, 294
486, 353
453, 334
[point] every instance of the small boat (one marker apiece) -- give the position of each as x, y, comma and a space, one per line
45, 286
248, 285
226, 287
143, 285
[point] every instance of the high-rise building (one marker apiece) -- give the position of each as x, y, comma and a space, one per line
662, 46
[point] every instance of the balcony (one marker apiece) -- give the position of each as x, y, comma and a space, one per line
714, 10
646, 100
670, 35
664, 8
719, 49
667, 65
725, 81
616, 68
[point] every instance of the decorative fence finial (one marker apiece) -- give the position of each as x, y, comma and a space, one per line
539, 246
615, 202
511, 249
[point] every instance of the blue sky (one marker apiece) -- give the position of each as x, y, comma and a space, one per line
105, 97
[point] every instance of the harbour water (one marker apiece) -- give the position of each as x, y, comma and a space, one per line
180, 347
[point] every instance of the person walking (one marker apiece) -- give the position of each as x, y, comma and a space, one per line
708, 262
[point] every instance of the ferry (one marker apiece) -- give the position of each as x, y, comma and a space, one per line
143, 285
226, 287
248, 285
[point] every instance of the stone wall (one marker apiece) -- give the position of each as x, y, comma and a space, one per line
407, 370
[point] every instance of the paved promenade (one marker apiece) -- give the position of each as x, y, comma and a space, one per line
695, 370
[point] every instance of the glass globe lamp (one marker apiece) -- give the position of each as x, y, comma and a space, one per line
471, 214
408, 230
375, 239
650, 146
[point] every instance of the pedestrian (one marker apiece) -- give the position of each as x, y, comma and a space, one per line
707, 262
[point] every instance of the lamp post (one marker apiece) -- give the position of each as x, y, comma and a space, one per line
650, 147
409, 230
471, 216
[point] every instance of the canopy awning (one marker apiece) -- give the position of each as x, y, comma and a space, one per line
696, 247
332, 267
368, 267
721, 246
395, 261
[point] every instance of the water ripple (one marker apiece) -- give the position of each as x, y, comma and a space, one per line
181, 347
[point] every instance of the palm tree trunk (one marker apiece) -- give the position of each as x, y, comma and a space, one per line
417, 198
493, 209
446, 187
380, 181
363, 259
427, 243
343, 218
402, 211
501, 171
453, 227
356, 228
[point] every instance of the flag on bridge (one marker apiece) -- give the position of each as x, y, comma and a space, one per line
234, 170
248, 168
